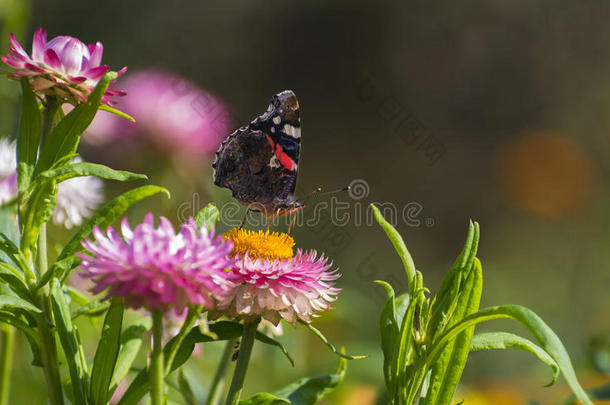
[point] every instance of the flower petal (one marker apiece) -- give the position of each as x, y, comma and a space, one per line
38, 45
51, 59
17, 48
96, 73
72, 56
96, 55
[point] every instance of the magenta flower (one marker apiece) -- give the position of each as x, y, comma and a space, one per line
271, 283
157, 268
292, 289
171, 111
63, 66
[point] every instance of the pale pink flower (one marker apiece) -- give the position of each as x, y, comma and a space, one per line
157, 268
292, 289
171, 111
64, 67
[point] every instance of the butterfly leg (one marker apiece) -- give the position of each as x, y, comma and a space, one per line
243, 222
293, 219
269, 219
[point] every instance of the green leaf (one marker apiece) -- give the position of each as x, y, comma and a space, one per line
399, 244
186, 390
544, 335
39, 208
388, 326
601, 392
448, 295
94, 308
505, 340
306, 391
9, 299
106, 354
330, 345
68, 337
207, 216
222, 330
83, 169
64, 138
131, 341
33, 338
28, 139
114, 111
13, 253
14, 278
264, 398
103, 218
447, 369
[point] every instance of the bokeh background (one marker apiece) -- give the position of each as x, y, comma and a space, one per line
497, 111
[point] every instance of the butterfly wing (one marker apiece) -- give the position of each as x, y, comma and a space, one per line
258, 163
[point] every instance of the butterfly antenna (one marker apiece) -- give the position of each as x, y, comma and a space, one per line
319, 193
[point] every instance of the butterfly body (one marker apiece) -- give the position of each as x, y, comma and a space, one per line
259, 162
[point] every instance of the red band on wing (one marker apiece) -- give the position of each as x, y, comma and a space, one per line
285, 160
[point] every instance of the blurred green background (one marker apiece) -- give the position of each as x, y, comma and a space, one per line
497, 111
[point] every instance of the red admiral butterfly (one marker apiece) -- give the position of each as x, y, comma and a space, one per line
259, 162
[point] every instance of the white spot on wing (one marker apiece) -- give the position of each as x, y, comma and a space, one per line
274, 162
276, 120
292, 131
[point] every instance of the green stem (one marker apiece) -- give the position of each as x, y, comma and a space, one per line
48, 345
157, 369
48, 351
188, 323
218, 382
245, 350
7, 337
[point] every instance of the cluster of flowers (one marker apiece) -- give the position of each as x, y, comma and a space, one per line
242, 274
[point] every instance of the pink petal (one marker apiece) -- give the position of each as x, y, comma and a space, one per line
24, 73
38, 45
78, 79
35, 68
72, 56
11, 62
96, 73
18, 48
96, 55
51, 59
123, 70
113, 92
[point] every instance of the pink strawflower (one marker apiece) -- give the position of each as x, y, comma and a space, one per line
157, 268
172, 112
270, 283
64, 67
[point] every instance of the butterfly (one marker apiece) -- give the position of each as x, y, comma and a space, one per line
259, 162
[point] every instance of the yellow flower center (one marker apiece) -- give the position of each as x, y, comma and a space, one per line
261, 245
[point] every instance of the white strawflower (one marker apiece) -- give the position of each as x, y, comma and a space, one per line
8, 173
77, 200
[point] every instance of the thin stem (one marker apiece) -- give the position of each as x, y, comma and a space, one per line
48, 352
7, 337
218, 382
48, 345
189, 322
243, 359
157, 369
